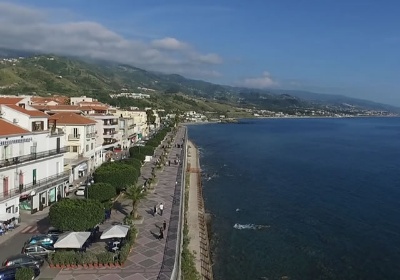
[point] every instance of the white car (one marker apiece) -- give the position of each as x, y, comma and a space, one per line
80, 191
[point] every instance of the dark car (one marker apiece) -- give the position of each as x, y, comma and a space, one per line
42, 239
23, 260
54, 232
8, 272
37, 250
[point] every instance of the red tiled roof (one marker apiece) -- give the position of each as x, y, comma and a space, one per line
57, 107
8, 128
59, 99
10, 100
71, 118
30, 113
95, 108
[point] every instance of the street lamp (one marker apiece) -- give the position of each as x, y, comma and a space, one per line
87, 189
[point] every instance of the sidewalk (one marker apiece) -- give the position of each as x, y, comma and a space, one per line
151, 258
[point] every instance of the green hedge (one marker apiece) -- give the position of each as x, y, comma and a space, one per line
118, 174
146, 150
137, 164
101, 191
24, 273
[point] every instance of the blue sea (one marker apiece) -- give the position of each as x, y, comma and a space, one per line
328, 190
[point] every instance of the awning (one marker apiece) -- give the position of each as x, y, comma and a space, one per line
72, 240
82, 167
116, 231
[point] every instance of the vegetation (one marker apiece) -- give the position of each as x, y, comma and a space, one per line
135, 193
24, 273
118, 174
189, 271
76, 214
146, 150
101, 191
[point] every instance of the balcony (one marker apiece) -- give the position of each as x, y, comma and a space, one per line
74, 137
37, 187
112, 132
110, 123
91, 135
109, 142
33, 156
56, 132
131, 126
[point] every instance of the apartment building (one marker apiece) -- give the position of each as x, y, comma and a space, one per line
126, 126
80, 138
32, 174
140, 128
107, 130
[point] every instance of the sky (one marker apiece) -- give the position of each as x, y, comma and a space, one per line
348, 47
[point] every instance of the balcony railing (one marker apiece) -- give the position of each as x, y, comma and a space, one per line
131, 126
110, 133
56, 132
37, 187
91, 135
74, 137
111, 141
33, 156
110, 123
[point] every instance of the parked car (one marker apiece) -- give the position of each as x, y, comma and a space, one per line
54, 232
42, 239
37, 250
8, 272
80, 191
23, 260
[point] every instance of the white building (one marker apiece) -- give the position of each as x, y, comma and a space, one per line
80, 138
107, 130
32, 172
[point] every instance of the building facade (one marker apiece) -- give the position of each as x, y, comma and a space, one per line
31, 160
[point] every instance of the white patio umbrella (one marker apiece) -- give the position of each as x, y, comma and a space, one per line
72, 240
116, 231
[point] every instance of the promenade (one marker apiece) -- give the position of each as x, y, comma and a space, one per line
151, 258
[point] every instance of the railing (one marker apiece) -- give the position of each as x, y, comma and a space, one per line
56, 132
131, 126
37, 187
110, 123
74, 137
110, 133
91, 135
33, 156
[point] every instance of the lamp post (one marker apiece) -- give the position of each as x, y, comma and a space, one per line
87, 189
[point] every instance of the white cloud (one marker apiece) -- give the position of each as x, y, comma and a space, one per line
265, 81
30, 29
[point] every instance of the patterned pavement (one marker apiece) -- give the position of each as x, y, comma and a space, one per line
151, 258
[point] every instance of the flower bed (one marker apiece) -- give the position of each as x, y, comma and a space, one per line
73, 259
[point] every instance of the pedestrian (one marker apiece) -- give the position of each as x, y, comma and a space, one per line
155, 210
161, 208
164, 225
161, 236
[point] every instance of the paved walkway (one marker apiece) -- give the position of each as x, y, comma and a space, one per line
151, 258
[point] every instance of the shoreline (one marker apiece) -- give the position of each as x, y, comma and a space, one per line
196, 218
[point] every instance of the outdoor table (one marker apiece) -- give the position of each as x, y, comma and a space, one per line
116, 243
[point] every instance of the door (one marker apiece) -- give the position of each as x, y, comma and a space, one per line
5, 186
34, 177
58, 145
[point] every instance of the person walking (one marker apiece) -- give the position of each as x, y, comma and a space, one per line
161, 209
155, 210
161, 235
164, 225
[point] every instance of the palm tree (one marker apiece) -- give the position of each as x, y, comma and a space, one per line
135, 193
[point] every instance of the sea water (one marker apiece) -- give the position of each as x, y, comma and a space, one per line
326, 192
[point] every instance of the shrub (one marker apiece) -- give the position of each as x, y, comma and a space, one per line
101, 191
117, 174
146, 150
134, 162
105, 258
76, 214
24, 273
139, 156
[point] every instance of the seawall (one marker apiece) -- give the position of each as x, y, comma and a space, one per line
196, 217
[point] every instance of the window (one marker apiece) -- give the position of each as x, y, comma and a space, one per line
87, 147
74, 149
76, 132
37, 126
92, 146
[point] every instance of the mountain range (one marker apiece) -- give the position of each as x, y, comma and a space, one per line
71, 76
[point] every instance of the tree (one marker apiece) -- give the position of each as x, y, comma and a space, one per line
136, 194
146, 150
118, 174
101, 191
134, 162
76, 214
151, 118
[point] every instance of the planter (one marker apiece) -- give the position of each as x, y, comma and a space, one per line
51, 265
58, 265
85, 266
